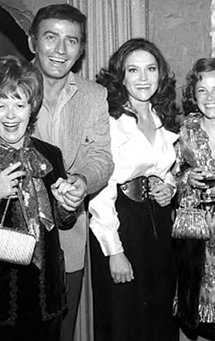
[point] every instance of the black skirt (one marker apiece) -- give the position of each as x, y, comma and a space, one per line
140, 309
28, 324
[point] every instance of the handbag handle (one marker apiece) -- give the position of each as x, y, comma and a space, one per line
19, 194
5, 211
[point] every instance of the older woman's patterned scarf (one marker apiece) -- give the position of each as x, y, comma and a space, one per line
35, 197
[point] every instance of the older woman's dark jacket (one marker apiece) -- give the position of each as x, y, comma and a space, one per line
22, 288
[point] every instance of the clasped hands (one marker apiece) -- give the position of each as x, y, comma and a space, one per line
70, 192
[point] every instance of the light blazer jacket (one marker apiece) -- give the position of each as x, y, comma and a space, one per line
85, 144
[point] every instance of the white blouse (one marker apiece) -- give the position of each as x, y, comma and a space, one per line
133, 156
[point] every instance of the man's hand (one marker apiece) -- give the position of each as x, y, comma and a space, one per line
78, 191
71, 192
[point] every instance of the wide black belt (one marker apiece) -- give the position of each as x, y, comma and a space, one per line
139, 188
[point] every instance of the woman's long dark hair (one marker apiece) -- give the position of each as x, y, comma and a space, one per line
189, 101
163, 101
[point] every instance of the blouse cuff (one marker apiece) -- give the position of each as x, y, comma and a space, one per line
108, 239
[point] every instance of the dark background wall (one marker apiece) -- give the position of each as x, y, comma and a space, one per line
13, 39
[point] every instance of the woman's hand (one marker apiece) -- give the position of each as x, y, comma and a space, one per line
120, 268
210, 219
59, 190
9, 179
162, 193
196, 178
71, 192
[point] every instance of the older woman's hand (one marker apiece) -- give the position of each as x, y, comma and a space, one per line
162, 193
9, 179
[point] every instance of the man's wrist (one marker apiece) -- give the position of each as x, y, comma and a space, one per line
64, 212
81, 176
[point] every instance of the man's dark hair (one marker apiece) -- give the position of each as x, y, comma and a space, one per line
61, 12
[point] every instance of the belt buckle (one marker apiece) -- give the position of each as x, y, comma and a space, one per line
138, 189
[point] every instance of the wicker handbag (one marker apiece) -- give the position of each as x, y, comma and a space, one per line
16, 246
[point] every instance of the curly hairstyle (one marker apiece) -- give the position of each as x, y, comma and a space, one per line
18, 74
189, 101
163, 101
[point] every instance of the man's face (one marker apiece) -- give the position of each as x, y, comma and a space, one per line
57, 48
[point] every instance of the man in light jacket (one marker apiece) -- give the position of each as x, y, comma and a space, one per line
74, 116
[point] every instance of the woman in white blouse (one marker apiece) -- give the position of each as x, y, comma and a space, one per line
132, 261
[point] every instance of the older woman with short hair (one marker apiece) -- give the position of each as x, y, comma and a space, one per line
32, 176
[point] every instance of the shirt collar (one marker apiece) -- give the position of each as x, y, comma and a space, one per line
71, 86
128, 125
67, 92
